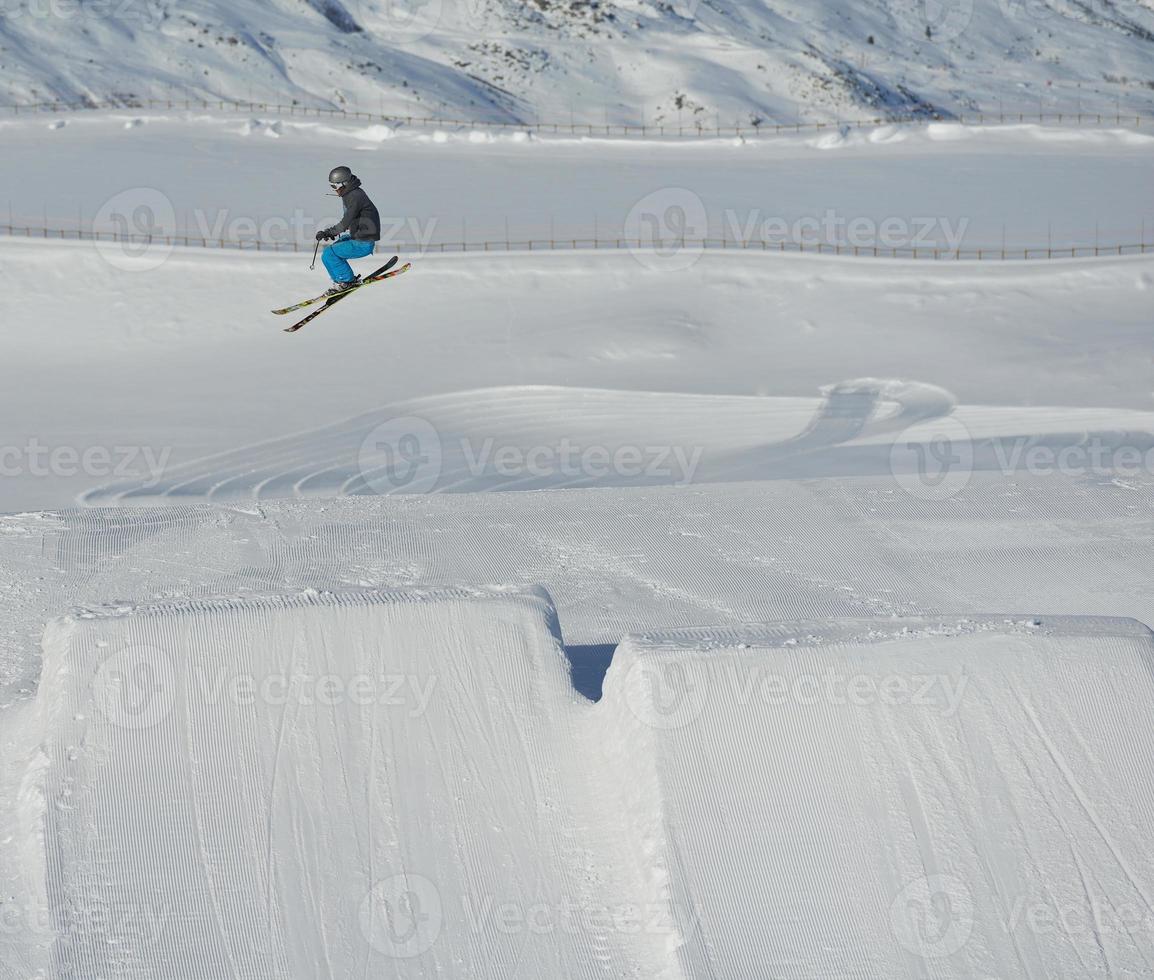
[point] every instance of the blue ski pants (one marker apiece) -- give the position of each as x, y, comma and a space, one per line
336, 257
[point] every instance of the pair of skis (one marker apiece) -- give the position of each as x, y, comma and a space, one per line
386, 271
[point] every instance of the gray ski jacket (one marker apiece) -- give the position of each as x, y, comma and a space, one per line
362, 220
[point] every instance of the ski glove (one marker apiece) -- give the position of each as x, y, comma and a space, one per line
324, 235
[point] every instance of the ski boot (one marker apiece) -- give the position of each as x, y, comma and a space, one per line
343, 287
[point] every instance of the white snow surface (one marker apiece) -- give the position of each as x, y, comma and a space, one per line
404, 783
745, 366
213, 175
828, 778
726, 357
818, 648
392, 817
592, 61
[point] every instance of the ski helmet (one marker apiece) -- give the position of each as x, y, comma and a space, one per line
339, 176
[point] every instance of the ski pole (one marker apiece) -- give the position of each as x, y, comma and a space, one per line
314, 262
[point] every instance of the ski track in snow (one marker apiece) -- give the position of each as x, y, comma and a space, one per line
675, 439
733, 833
616, 559
158, 821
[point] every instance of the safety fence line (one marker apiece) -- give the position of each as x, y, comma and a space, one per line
695, 130
668, 247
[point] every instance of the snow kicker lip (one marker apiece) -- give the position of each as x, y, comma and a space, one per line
714, 741
821, 633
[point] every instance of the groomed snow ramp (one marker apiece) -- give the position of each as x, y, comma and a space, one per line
357, 784
404, 784
968, 798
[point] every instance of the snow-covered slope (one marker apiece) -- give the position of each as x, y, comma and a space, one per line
590, 60
404, 784
908, 445
417, 778
900, 800
153, 371
213, 175
542, 438
159, 357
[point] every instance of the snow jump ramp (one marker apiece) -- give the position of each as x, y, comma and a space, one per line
405, 784
966, 798
336, 785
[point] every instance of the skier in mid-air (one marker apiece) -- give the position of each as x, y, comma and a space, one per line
356, 234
